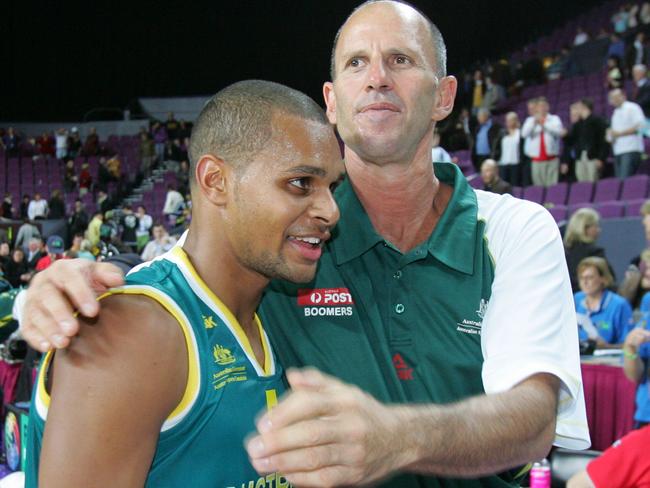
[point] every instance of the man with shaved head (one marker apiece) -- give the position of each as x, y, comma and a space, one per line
439, 326
624, 133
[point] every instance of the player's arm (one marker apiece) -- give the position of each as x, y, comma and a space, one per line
632, 364
111, 391
580, 480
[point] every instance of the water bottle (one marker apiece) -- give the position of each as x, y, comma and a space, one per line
540, 474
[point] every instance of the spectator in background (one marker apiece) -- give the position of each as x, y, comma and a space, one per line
91, 146
56, 206
24, 205
129, 224
37, 208
147, 153
46, 145
642, 93
183, 176
104, 203
173, 202
143, 232
625, 464
616, 47
543, 131
93, 233
25, 233
85, 180
159, 134
74, 143
114, 167
587, 137
7, 206
159, 245
636, 354
438, 155
69, 177
5, 256
603, 316
485, 134
34, 252
491, 180
16, 270
11, 142
54, 248
78, 221
85, 250
492, 95
614, 73
580, 238
632, 19
478, 89
171, 125
61, 138
172, 154
624, 134
644, 13
619, 20
581, 37
637, 52
457, 134
184, 131
509, 150
637, 276
525, 171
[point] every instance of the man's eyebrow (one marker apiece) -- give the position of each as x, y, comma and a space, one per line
307, 170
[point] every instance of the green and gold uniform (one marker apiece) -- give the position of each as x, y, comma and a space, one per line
201, 442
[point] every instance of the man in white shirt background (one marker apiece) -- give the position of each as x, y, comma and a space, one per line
37, 208
624, 134
543, 131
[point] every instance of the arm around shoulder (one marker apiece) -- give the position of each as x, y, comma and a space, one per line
111, 391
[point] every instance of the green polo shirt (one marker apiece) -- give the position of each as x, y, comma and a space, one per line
404, 327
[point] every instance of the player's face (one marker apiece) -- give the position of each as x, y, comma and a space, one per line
384, 96
590, 281
282, 207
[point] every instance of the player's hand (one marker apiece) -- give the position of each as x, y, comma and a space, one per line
635, 338
327, 433
54, 294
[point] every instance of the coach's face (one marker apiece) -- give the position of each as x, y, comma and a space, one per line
282, 208
386, 96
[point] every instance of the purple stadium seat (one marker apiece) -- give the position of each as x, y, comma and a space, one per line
517, 191
633, 208
609, 210
476, 182
607, 190
534, 194
580, 192
557, 194
559, 212
635, 187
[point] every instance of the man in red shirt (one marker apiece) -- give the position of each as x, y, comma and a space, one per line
625, 464
55, 249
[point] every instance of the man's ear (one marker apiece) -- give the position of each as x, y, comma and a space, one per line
330, 101
445, 96
211, 176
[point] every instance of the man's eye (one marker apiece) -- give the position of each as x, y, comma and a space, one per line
355, 62
401, 60
302, 183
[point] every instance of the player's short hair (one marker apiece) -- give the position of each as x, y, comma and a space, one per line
437, 40
236, 123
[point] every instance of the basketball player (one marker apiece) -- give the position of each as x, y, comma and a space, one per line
161, 390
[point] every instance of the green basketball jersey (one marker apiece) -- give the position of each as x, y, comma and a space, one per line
202, 440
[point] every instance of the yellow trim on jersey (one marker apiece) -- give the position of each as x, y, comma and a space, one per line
193, 371
271, 399
42, 396
193, 376
237, 328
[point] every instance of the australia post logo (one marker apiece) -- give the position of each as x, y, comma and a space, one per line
320, 302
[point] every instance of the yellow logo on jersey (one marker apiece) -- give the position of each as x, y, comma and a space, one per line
209, 322
222, 355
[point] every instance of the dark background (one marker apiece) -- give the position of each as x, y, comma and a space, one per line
61, 59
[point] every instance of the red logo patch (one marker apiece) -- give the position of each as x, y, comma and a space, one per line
309, 297
404, 372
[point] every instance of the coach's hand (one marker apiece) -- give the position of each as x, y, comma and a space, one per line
327, 433
54, 294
